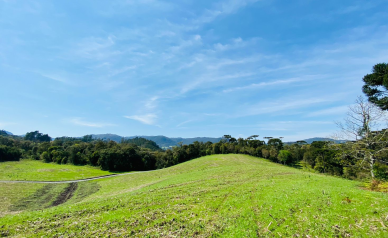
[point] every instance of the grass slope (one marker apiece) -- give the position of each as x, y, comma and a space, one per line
39, 171
219, 195
11, 193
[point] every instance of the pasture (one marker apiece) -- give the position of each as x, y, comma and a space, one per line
36, 170
219, 195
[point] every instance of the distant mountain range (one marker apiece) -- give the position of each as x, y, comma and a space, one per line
7, 132
161, 141
311, 140
112, 137
164, 141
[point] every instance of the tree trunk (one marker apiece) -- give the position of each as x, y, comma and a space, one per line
371, 163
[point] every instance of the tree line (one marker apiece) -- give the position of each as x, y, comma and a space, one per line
141, 154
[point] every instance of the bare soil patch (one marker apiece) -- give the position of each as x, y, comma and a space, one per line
65, 195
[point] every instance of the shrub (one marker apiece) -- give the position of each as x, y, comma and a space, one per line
265, 153
380, 171
9, 153
45, 157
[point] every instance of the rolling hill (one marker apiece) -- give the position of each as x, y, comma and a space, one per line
218, 195
6, 132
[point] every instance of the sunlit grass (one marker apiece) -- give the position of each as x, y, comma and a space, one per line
39, 171
219, 195
11, 193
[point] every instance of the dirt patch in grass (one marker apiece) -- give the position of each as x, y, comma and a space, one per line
65, 195
49, 196
52, 195
42, 198
84, 190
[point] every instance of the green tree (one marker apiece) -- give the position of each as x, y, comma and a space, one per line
37, 137
284, 156
265, 153
226, 138
275, 143
8, 153
273, 154
3, 133
45, 156
376, 86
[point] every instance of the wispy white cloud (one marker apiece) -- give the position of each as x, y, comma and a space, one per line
195, 61
152, 102
194, 40
283, 106
80, 122
97, 48
340, 110
221, 9
149, 119
235, 43
54, 77
236, 61
263, 84
357, 7
207, 79
122, 70
185, 122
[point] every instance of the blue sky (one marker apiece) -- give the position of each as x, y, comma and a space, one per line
186, 68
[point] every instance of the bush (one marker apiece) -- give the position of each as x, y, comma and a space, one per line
45, 157
273, 154
380, 171
9, 153
265, 153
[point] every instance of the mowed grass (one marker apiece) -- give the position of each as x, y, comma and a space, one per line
39, 171
213, 196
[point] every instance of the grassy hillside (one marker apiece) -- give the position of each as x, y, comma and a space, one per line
37, 170
11, 193
219, 195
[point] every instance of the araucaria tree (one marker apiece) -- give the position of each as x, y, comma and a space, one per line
365, 146
376, 86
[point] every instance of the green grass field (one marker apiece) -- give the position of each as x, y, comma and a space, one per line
219, 195
40, 171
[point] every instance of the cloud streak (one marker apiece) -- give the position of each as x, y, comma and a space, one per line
148, 119
340, 110
284, 106
264, 84
222, 8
